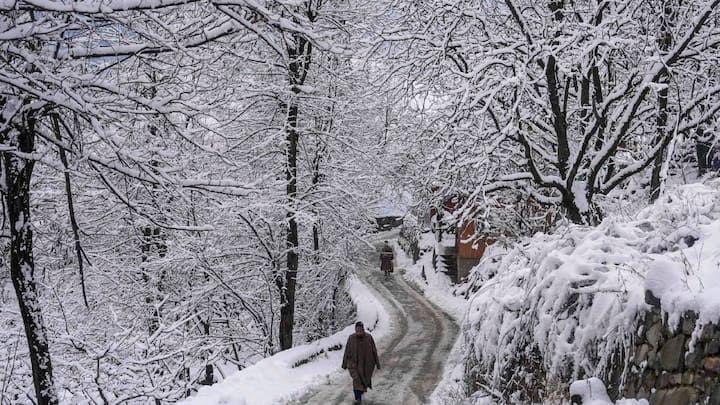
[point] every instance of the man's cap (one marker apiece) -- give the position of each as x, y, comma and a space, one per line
359, 324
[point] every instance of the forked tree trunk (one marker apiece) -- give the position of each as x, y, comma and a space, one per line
17, 173
575, 215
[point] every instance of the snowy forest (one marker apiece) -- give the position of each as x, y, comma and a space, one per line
188, 185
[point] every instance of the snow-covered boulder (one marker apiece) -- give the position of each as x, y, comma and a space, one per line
592, 391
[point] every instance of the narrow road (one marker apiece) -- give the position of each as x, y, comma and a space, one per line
412, 355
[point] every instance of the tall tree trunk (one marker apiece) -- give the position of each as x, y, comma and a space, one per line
559, 118
665, 41
287, 283
148, 245
299, 53
209, 371
316, 224
656, 176
152, 242
17, 173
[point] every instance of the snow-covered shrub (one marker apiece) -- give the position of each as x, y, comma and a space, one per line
410, 236
686, 275
544, 318
566, 306
323, 305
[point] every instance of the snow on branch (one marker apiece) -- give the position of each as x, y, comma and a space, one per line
90, 7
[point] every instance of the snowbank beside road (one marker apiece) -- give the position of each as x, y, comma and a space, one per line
566, 305
562, 306
685, 251
435, 285
293, 371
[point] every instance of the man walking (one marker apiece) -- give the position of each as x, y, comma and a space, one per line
386, 259
360, 359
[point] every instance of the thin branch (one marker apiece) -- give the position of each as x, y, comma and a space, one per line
71, 209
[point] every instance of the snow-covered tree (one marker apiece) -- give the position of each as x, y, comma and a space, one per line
564, 101
192, 162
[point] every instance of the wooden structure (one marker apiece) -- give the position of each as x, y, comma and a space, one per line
469, 249
465, 253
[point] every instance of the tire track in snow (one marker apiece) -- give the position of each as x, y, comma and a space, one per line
412, 356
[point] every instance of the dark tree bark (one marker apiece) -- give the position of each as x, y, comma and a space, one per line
559, 119
703, 146
152, 243
71, 209
287, 283
17, 172
656, 176
299, 52
665, 41
316, 225
209, 371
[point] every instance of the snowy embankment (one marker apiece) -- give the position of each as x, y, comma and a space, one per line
435, 285
552, 309
684, 271
560, 307
292, 372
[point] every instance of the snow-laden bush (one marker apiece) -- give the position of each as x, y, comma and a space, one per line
410, 236
685, 274
556, 308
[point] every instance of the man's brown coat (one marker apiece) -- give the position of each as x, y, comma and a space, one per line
360, 360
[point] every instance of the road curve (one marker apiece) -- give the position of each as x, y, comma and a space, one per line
412, 356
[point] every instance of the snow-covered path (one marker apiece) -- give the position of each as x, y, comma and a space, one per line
412, 355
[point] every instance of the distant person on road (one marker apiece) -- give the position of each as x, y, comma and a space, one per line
386, 258
360, 359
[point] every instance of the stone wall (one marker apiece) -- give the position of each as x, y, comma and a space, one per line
668, 369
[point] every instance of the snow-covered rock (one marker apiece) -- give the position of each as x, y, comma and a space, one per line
592, 391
